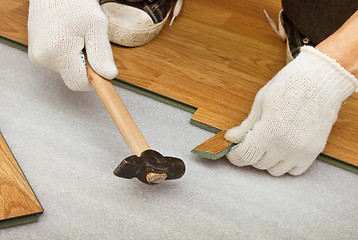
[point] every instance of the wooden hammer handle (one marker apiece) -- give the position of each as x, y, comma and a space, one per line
118, 112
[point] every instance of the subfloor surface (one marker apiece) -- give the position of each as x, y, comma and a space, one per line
67, 146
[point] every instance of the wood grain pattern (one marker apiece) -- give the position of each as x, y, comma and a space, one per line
16, 196
216, 56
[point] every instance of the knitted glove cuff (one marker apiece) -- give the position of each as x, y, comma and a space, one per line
38, 6
334, 69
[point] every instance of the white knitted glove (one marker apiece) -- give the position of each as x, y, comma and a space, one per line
292, 115
58, 31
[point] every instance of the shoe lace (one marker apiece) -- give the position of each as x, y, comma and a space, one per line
280, 30
176, 10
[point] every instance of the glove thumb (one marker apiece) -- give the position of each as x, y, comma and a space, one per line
237, 134
74, 71
99, 52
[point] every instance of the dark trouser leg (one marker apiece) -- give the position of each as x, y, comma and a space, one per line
308, 22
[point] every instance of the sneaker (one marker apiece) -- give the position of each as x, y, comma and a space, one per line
134, 23
289, 34
295, 39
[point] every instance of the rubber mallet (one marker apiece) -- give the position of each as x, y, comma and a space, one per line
146, 164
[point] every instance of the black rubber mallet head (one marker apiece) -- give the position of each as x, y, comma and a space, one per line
147, 165
151, 167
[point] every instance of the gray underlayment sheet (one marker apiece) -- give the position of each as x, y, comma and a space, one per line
67, 146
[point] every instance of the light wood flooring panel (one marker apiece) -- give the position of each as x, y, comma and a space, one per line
216, 56
16, 196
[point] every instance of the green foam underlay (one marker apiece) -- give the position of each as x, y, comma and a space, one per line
11, 222
210, 155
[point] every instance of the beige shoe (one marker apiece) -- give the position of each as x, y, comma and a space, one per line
134, 23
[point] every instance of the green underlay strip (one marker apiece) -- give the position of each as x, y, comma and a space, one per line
188, 108
322, 157
154, 95
338, 163
11, 222
210, 155
205, 126
13, 43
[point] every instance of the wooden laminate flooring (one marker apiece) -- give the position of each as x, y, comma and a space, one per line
17, 200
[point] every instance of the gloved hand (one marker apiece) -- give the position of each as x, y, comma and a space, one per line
292, 115
58, 30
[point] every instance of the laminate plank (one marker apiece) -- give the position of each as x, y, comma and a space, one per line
214, 148
16, 196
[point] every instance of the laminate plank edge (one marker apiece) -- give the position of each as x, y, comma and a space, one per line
36, 208
11, 222
217, 147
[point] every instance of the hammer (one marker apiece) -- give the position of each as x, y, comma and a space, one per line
147, 165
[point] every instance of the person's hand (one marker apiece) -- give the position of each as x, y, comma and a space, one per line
58, 30
293, 114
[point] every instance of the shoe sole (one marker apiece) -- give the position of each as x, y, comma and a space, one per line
129, 26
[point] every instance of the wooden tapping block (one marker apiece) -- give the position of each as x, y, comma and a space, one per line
214, 148
146, 164
18, 203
